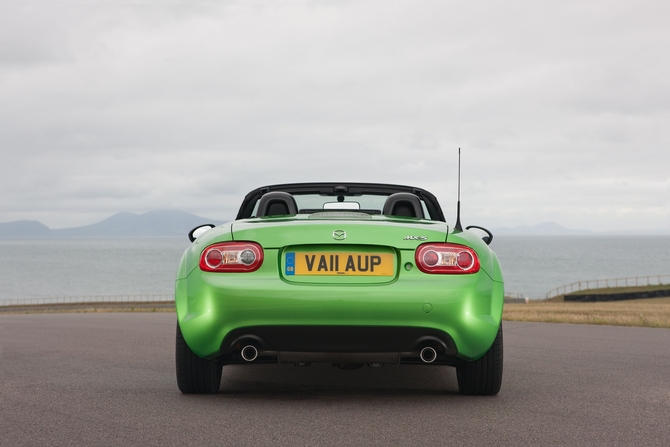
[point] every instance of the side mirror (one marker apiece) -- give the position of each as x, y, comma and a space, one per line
198, 231
487, 239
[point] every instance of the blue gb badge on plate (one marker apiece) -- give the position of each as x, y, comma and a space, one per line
289, 268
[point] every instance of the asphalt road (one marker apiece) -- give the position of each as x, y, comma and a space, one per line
108, 379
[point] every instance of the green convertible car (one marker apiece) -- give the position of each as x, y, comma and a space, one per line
343, 273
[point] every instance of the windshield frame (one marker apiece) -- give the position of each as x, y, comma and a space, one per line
348, 190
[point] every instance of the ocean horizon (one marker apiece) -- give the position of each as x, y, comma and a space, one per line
532, 265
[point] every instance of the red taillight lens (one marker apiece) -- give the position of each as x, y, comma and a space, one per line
232, 257
446, 259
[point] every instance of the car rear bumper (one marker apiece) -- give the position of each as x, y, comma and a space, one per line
219, 313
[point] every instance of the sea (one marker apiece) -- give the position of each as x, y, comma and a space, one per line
532, 265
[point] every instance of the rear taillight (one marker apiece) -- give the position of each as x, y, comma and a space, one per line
446, 259
232, 257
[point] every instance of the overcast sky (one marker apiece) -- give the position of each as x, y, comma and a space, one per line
561, 108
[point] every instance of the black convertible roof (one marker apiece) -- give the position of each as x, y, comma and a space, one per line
344, 189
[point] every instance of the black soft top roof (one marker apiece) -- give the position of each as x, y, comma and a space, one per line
344, 189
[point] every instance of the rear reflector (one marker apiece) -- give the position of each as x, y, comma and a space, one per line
232, 257
446, 259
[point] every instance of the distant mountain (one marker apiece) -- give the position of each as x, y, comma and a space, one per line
554, 229
23, 229
541, 229
161, 223
167, 223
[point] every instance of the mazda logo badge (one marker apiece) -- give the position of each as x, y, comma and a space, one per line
339, 235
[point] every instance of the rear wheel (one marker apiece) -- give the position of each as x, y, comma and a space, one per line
483, 376
195, 375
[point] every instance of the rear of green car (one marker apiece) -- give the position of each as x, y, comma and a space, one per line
342, 288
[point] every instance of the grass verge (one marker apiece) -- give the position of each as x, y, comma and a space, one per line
88, 308
652, 312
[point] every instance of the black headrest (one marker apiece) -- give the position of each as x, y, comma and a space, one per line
276, 203
403, 204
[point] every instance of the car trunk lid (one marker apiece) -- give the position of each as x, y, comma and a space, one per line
353, 250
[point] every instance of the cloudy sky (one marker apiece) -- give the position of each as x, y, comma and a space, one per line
561, 108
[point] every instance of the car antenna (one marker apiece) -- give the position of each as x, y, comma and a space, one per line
458, 226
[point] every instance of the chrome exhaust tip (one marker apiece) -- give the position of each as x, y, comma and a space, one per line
428, 354
249, 353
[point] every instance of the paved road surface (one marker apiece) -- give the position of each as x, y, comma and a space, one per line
108, 379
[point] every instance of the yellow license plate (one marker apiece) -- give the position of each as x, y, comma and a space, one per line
348, 263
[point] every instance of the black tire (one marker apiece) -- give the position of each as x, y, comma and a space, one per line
483, 377
195, 375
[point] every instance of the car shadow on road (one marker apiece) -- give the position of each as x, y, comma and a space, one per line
326, 380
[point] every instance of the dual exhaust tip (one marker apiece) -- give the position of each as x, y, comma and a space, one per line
428, 354
250, 353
